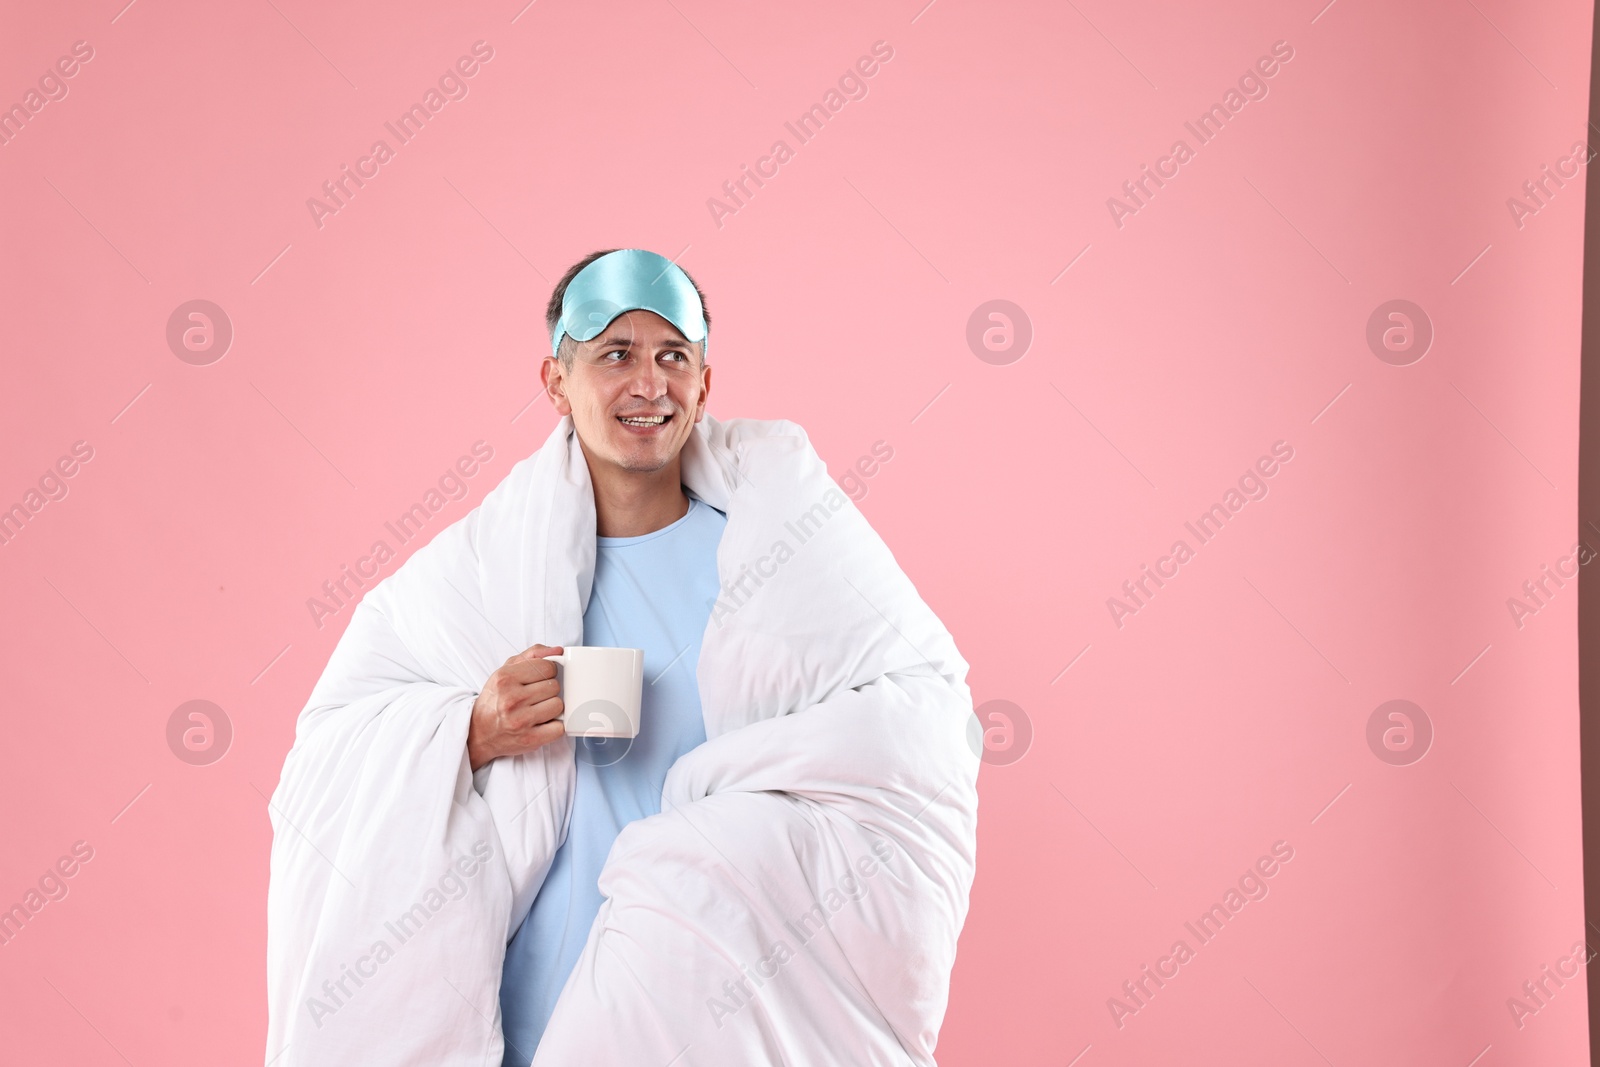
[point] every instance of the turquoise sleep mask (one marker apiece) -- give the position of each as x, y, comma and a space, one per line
629, 279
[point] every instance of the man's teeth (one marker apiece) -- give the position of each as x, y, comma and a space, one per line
646, 420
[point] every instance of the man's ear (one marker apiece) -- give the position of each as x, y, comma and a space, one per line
553, 376
705, 388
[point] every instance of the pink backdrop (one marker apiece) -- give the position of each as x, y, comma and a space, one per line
1149, 758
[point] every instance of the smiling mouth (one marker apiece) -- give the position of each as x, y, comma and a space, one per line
644, 422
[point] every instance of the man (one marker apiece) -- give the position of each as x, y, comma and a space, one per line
775, 870
634, 392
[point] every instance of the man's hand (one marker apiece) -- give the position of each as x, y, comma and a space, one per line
517, 708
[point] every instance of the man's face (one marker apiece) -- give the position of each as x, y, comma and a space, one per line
636, 371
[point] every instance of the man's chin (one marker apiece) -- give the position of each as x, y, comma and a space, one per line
643, 464
642, 457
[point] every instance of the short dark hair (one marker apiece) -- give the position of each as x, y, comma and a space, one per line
552, 311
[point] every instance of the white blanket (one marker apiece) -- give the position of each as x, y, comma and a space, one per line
799, 897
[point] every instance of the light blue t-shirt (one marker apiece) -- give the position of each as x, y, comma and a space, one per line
654, 592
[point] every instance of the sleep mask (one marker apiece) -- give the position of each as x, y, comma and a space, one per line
629, 279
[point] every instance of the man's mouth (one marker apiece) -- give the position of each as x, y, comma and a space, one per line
644, 422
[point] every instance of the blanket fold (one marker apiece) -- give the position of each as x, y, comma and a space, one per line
797, 900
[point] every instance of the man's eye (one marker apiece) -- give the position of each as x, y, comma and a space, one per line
675, 355
617, 352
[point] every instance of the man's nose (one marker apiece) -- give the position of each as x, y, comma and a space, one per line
649, 381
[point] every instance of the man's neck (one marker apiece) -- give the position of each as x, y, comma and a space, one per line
631, 503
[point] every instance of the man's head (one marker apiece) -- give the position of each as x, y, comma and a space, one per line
637, 365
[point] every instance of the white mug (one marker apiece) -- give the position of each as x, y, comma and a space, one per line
601, 689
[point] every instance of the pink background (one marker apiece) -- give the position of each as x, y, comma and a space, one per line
369, 353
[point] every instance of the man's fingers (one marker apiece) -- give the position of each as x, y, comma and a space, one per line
533, 652
537, 712
545, 733
528, 671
